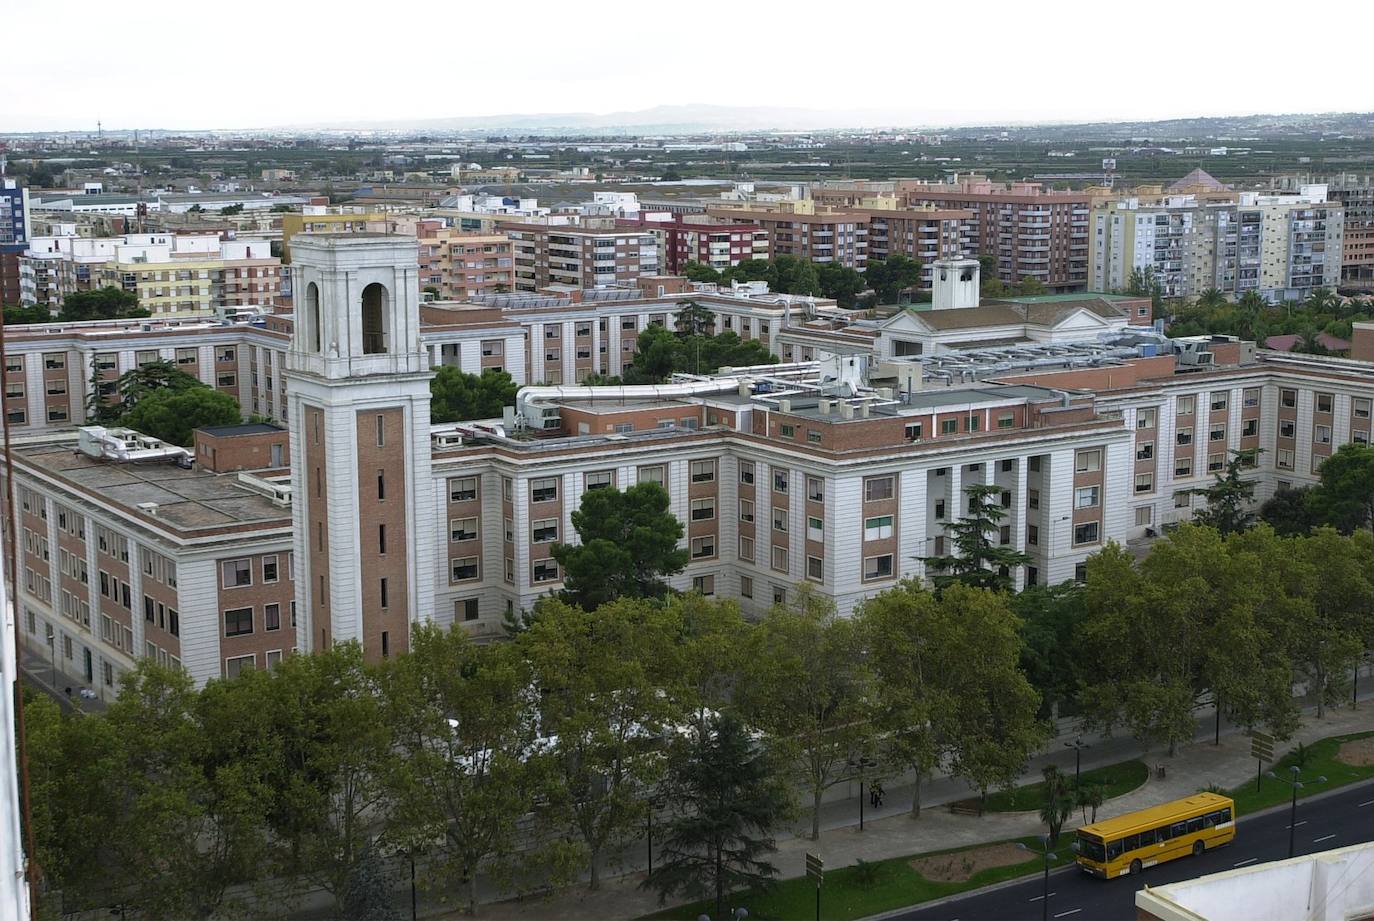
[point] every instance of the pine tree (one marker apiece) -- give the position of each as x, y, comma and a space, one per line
976, 560
1227, 499
726, 800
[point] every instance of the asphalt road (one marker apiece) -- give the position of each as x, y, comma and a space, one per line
1343, 817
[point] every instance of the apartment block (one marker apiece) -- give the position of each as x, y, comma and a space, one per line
695, 238
579, 257
171, 274
797, 228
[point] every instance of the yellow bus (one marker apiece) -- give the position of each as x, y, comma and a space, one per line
1132, 842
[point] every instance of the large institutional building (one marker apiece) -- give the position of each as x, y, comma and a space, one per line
356, 517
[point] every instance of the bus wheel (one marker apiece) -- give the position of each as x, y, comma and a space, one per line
1135, 867
1198, 848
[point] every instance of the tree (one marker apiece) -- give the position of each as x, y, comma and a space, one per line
229, 210
1052, 618
1089, 796
326, 713
1211, 299
367, 894
750, 270
464, 728
891, 276
936, 663
628, 544
174, 415
1030, 286
1345, 497
459, 397
1228, 498
1058, 801
808, 687
136, 383
695, 271
39, 313
108, 303
726, 799
1332, 626
694, 320
602, 711
975, 560
655, 357
840, 282
1289, 511
792, 275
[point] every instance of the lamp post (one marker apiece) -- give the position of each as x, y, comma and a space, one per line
1045, 889
1297, 784
1077, 746
860, 764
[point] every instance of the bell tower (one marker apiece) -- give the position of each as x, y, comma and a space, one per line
357, 390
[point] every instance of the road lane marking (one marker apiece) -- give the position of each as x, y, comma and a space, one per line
1323, 838
1039, 897
1071, 911
1245, 861
1368, 803
1297, 825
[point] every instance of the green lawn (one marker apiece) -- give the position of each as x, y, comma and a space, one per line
1116, 779
1320, 761
844, 896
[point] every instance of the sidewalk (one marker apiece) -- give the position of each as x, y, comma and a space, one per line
890, 832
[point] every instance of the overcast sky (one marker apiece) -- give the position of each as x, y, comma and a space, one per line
250, 63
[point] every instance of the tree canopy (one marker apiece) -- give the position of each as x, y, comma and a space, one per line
974, 559
891, 276
174, 415
628, 545
456, 396
108, 303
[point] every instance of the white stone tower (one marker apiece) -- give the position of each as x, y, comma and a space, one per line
357, 389
954, 283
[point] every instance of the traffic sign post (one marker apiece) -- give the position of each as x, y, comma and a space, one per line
1262, 750
815, 869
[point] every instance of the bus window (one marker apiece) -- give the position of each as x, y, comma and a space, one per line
1147, 838
1178, 830
1113, 850
1211, 819
1226, 815
1130, 842
1163, 833
1091, 848
1195, 824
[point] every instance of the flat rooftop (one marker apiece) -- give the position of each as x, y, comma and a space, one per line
243, 428
187, 500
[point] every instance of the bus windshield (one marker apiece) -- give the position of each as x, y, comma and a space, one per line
1091, 848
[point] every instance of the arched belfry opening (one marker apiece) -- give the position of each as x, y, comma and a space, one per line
312, 313
376, 303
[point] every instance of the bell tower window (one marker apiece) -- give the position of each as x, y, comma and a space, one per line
374, 319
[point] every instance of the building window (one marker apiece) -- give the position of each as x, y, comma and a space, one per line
1215, 462
912, 431
1184, 405
779, 480
1287, 428
780, 559
746, 472
463, 570
238, 622
704, 585
779, 594
544, 489
1183, 499
1145, 451
1088, 461
1085, 533
1322, 434
1086, 497
1360, 408
462, 529
1144, 515
1324, 401
1005, 420
269, 569
815, 569
1032, 535
746, 549
1219, 398
815, 490
237, 573
600, 479
1144, 482
462, 489
746, 587
1183, 466
703, 471
1249, 428
949, 426
703, 509
780, 519
271, 616
878, 528
543, 571
465, 609
813, 436
746, 510
787, 431
878, 567
878, 489
653, 474
237, 665
1250, 396
1145, 419
703, 547
1288, 398
973, 423
1217, 433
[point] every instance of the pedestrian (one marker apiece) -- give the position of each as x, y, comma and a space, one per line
873, 796
878, 795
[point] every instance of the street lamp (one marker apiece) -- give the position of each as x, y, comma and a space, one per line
861, 764
654, 803
1045, 890
1297, 784
1077, 746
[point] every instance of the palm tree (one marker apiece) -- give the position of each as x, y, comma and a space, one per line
1089, 796
1252, 302
1211, 298
1058, 802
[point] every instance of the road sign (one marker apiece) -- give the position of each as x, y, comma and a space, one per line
1261, 746
815, 868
